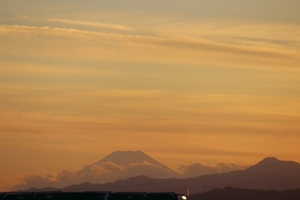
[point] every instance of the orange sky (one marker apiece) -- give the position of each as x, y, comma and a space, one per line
183, 82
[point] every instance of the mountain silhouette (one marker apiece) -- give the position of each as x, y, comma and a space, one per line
125, 164
128, 158
272, 164
268, 174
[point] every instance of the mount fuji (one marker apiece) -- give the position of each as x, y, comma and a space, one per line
125, 164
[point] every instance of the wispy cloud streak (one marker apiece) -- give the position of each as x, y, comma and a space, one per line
93, 24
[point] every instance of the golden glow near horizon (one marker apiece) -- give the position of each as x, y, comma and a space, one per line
184, 82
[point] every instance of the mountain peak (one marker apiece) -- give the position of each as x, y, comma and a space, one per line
125, 164
272, 164
269, 161
125, 158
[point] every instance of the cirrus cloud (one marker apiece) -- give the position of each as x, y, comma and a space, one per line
93, 24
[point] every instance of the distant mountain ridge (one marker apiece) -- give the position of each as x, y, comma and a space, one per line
268, 174
270, 164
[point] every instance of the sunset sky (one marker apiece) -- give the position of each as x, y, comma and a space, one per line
183, 81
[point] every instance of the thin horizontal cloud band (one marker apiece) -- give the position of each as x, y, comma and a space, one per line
291, 55
93, 24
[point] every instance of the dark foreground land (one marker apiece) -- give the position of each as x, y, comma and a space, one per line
90, 196
230, 193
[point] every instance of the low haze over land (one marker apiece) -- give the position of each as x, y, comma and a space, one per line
193, 81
